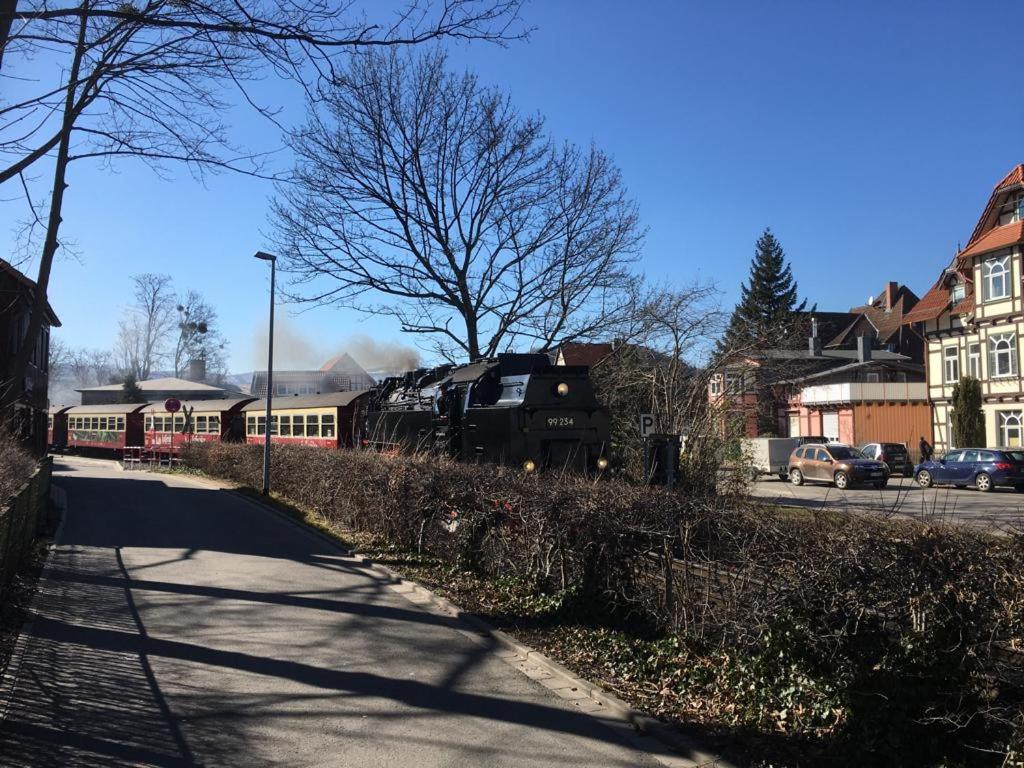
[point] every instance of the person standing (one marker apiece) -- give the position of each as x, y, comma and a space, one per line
926, 449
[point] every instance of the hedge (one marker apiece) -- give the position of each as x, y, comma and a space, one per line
895, 638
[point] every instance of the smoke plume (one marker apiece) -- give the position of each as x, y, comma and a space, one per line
293, 351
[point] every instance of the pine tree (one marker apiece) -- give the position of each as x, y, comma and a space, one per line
766, 314
130, 391
968, 418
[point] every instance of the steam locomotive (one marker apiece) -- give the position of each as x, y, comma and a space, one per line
514, 409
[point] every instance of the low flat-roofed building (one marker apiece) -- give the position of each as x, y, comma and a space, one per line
154, 391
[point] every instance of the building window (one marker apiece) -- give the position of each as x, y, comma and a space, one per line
733, 383
952, 364
957, 292
1011, 428
974, 360
1002, 355
716, 384
996, 275
1012, 210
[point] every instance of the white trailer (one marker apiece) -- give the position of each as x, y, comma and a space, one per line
770, 455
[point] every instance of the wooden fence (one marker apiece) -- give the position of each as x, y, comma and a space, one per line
21, 518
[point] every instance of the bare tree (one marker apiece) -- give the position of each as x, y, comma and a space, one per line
148, 80
146, 331
424, 195
198, 337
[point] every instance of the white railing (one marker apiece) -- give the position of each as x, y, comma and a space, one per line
885, 392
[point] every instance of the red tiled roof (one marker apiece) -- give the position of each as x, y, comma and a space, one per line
1016, 176
964, 307
933, 304
994, 239
577, 353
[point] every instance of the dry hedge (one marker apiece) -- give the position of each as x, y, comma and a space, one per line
898, 638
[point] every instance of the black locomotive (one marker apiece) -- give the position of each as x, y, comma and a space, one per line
514, 409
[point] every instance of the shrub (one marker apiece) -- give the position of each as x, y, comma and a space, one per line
890, 637
16, 466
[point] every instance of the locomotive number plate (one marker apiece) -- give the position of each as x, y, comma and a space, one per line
555, 422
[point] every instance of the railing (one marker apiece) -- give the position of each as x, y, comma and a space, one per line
858, 392
21, 518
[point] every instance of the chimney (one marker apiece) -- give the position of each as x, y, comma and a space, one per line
864, 344
890, 294
197, 370
814, 343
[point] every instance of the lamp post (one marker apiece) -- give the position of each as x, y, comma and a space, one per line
270, 372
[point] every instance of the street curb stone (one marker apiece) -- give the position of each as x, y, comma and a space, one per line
687, 752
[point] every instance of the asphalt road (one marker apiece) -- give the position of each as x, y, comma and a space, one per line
1001, 510
182, 625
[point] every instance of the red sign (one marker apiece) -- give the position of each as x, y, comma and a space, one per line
173, 405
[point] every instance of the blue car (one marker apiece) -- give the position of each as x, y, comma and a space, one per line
984, 468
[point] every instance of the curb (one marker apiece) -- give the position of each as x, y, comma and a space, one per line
686, 751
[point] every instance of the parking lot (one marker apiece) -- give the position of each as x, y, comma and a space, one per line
1001, 510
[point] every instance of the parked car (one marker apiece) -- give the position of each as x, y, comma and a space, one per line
835, 463
895, 455
984, 468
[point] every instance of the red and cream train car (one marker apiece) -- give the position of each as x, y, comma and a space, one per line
198, 421
57, 427
325, 421
107, 427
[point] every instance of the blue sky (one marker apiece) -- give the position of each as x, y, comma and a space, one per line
867, 135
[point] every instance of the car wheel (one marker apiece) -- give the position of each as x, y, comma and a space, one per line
842, 480
983, 482
796, 477
924, 478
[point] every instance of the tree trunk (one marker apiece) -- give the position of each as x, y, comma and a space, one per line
19, 362
472, 340
7, 10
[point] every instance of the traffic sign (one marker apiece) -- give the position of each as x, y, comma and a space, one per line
172, 405
647, 424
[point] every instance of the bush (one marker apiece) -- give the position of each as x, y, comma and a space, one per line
16, 466
895, 639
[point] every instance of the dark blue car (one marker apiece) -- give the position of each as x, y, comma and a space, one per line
984, 468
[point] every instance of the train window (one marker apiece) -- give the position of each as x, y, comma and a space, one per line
273, 425
103, 422
120, 423
95, 422
298, 425
327, 425
149, 423
312, 425
286, 426
261, 425
179, 423
250, 425
213, 425
201, 423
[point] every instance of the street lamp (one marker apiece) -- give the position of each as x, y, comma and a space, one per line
270, 372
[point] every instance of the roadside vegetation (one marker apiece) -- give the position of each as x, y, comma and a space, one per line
808, 640
16, 466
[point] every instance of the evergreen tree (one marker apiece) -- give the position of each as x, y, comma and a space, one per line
130, 390
766, 315
968, 418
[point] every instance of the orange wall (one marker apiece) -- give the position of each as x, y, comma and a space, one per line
892, 422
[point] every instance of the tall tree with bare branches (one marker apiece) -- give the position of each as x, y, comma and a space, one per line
151, 79
424, 195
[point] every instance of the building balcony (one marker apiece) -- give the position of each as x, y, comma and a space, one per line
871, 392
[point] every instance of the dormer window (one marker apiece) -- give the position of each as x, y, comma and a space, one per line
957, 292
1013, 209
996, 277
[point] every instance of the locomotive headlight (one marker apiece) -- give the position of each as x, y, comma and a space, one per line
529, 466
602, 463
562, 389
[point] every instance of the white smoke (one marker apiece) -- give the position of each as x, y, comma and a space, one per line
294, 351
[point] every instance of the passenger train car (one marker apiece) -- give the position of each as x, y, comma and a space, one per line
200, 421
104, 427
331, 420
